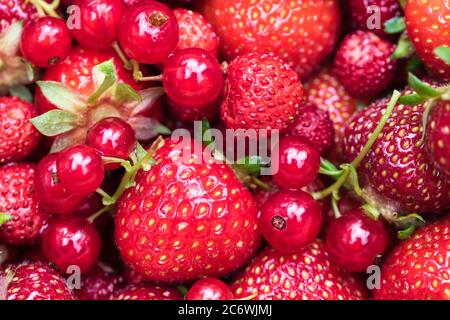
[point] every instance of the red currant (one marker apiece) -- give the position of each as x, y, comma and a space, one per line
209, 289
80, 169
192, 77
45, 41
71, 241
297, 163
112, 137
51, 194
99, 22
290, 220
354, 240
148, 32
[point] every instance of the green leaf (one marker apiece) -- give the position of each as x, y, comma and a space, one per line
413, 63
422, 88
402, 3
371, 211
4, 218
409, 222
206, 133
412, 99
104, 75
22, 92
139, 155
443, 52
61, 96
55, 122
125, 93
250, 165
406, 233
404, 48
395, 25
147, 128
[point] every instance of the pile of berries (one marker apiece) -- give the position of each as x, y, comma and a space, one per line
114, 168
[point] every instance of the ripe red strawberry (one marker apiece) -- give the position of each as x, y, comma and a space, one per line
397, 166
76, 73
34, 281
18, 200
262, 93
314, 125
362, 13
184, 220
327, 93
419, 268
147, 292
302, 32
363, 64
306, 275
18, 136
427, 25
16, 10
195, 32
438, 137
99, 284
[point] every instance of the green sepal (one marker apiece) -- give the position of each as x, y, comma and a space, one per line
395, 25
409, 224
4, 218
250, 165
55, 122
61, 96
404, 48
443, 52
412, 99
422, 88
104, 75
328, 168
125, 93
21, 92
206, 134
414, 62
371, 211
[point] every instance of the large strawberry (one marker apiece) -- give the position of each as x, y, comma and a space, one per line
18, 137
427, 25
147, 292
33, 281
419, 267
397, 165
22, 217
438, 138
186, 217
302, 32
262, 93
305, 275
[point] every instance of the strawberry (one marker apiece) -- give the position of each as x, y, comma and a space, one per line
186, 218
363, 64
18, 137
25, 219
327, 93
195, 31
315, 126
397, 166
262, 93
438, 137
16, 10
302, 32
147, 292
99, 283
305, 275
418, 268
427, 26
34, 281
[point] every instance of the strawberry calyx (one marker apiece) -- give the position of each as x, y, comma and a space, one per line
4, 218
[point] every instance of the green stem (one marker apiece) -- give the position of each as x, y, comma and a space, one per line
47, 8
138, 76
99, 213
127, 64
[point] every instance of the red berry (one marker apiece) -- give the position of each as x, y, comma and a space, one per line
290, 220
363, 64
314, 125
148, 32
18, 136
46, 41
35, 281
438, 138
71, 241
16, 10
354, 240
192, 78
209, 289
99, 283
99, 22
297, 163
80, 169
262, 93
52, 196
196, 32
147, 292
18, 200
112, 137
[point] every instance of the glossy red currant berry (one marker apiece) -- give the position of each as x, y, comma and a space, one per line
148, 32
45, 41
51, 194
209, 289
99, 22
80, 169
192, 77
71, 241
355, 239
290, 220
112, 137
297, 163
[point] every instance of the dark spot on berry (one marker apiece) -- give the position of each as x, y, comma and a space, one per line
279, 223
